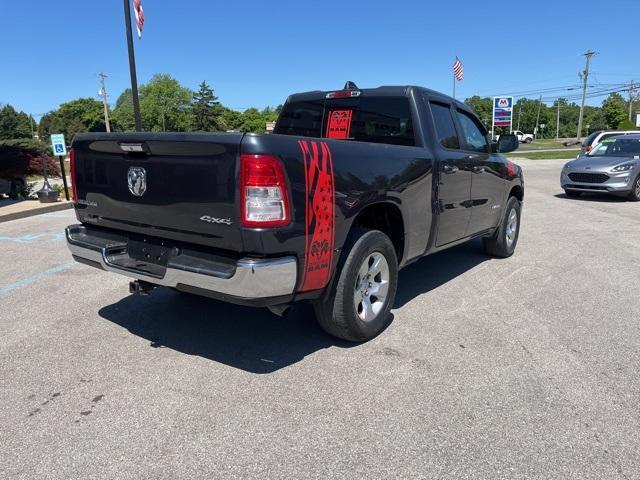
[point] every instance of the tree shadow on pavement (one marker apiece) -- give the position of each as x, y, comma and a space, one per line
435, 270
251, 339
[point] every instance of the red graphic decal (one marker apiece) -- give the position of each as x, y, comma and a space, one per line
339, 124
319, 214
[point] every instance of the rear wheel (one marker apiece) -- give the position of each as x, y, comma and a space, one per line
503, 242
634, 196
572, 193
528, 140
356, 306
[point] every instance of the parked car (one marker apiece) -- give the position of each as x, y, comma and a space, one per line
613, 167
522, 137
597, 137
352, 185
12, 186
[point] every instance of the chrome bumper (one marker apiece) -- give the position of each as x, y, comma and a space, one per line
246, 279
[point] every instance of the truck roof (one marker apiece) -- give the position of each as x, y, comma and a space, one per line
382, 91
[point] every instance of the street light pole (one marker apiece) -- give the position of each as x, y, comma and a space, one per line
558, 121
132, 67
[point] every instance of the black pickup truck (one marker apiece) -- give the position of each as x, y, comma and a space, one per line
352, 185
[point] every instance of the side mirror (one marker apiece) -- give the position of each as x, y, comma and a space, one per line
505, 144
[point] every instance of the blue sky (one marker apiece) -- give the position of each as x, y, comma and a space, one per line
254, 53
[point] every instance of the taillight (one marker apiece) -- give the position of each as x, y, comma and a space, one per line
72, 171
263, 192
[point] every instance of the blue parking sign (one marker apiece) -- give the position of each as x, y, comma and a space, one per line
58, 144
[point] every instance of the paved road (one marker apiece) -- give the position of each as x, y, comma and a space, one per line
518, 368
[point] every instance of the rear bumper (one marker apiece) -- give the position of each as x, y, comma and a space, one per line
241, 279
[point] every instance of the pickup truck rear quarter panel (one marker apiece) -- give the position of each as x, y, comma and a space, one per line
363, 175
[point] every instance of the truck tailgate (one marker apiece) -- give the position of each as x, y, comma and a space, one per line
169, 185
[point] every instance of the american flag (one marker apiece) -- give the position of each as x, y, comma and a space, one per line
139, 12
458, 69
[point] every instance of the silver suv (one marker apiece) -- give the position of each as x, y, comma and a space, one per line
613, 166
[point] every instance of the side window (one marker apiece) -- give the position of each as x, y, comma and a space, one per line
382, 120
475, 137
445, 128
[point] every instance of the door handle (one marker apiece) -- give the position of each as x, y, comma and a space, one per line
477, 169
450, 169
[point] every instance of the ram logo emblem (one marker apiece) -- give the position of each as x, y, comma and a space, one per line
137, 181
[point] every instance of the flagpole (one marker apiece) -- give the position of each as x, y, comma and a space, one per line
132, 67
454, 85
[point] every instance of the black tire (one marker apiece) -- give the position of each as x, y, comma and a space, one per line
527, 140
572, 193
634, 195
499, 244
336, 311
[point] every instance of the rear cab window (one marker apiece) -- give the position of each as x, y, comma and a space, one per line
373, 119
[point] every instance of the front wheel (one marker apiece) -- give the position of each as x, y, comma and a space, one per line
634, 196
503, 242
356, 307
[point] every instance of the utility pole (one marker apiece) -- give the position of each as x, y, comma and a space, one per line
538, 117
519, 115
584, 76
631, 94
132, 67
105, 104
558, 120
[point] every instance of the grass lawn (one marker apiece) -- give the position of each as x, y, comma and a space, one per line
533, 155
544, 144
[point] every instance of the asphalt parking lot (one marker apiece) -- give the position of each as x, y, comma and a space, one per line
518, 368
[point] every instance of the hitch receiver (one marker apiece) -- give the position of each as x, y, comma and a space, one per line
140, 287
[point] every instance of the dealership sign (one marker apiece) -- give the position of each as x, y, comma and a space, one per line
502, 112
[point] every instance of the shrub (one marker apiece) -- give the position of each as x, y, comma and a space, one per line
22, 157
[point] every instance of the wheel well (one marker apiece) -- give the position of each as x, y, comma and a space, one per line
517, 192
387, 218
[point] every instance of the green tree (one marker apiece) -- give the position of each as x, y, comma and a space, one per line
614, 109
165, 105
207, 111
76, 116
482, 106
14, 124
122, 116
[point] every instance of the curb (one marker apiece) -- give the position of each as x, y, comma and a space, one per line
54, 207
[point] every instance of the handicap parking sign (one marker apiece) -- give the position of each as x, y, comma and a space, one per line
58, 144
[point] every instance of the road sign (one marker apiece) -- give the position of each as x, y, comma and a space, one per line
58, 145
637, 119
502, 112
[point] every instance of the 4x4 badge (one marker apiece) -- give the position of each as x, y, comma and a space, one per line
137, 180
